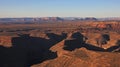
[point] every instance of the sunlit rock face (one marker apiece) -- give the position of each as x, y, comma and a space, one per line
6, 41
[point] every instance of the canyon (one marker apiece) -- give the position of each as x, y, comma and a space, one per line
63, 44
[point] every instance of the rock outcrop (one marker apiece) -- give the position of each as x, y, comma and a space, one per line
83, 58
103, 25
6, 41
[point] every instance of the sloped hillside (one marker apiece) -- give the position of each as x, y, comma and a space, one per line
86, 55
84, 58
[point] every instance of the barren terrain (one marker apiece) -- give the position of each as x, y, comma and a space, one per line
59, 44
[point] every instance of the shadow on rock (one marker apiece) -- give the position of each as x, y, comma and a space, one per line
115, 48
93, 48
77, 40
27, 50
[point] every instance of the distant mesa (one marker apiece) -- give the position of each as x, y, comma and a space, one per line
20, 20
91, 19
59, 19
51, 19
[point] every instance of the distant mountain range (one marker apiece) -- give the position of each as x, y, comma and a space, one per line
58, 19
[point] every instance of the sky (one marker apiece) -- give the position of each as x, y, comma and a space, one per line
59, 8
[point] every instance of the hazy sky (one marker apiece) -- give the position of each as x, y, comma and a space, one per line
62, 8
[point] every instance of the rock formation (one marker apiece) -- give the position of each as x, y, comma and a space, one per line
83, 58
6, 41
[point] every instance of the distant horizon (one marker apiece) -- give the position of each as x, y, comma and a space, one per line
60, 17
59, 8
